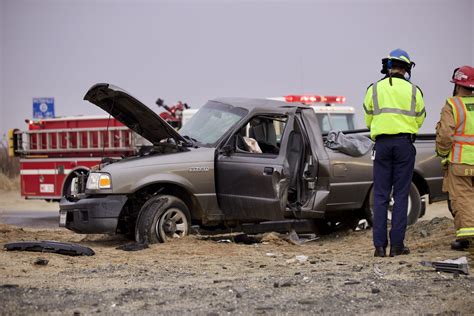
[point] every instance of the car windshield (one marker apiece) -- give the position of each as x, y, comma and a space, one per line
211, 122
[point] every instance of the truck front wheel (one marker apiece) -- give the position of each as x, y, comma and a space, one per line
414, 206
161, 219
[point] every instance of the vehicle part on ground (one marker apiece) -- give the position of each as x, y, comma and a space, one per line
135, 246
62, 248
459, 265
162, 218
414, 206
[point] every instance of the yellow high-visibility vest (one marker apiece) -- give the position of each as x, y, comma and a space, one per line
393, 109
462, 150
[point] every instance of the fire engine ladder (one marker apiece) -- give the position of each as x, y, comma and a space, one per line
118, 138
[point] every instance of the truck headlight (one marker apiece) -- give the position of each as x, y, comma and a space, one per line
97, 181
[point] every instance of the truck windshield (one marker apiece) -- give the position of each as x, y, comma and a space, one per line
341, 122
211, 122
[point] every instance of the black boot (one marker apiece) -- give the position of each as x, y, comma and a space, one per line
460, 244
397, 250
379, 252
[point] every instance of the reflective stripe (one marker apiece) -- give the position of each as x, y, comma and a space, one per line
460, 125
413, 100
29, 172
377, 110
375, 99
461, 115
366, 110
464, 138
457, 152
465, 232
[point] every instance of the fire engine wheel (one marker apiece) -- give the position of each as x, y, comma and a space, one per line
414, 206
162, 218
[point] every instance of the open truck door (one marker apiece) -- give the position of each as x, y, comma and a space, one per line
266, 169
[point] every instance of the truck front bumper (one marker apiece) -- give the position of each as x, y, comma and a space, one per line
96, 215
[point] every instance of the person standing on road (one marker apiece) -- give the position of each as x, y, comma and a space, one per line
455, 143
394, 111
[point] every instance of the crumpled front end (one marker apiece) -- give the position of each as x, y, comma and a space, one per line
92, 215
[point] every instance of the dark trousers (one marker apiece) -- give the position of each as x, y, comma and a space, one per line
393, 167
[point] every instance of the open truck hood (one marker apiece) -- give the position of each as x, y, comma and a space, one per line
132, 113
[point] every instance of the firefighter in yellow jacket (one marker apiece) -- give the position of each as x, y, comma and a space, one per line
455, 143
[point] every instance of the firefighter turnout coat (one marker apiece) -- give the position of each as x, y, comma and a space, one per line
455, 142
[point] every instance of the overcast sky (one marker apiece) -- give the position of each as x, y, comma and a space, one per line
198, 50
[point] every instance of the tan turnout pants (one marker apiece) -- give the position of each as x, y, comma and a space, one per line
461, 194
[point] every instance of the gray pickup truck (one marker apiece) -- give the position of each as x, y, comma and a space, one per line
236, 161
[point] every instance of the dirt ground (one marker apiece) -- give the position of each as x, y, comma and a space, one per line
337, 275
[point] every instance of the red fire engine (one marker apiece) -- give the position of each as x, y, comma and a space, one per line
51, 151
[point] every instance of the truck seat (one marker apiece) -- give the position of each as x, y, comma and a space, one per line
263, 131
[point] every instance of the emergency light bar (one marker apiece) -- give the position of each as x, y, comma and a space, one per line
315, 99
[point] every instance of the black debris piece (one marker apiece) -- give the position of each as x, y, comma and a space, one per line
136, 246
245, 239
350, 282
62, 248
9, 286
41, 262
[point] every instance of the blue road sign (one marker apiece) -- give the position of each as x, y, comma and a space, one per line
43, 107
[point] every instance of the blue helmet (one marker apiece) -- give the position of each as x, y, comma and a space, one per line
400, 54
397, 57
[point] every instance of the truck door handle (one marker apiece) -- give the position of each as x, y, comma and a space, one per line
268, 171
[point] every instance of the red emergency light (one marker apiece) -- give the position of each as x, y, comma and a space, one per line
315, 99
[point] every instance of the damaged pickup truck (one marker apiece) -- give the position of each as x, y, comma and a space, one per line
236, 161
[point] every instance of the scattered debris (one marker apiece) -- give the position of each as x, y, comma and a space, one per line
298, 258
9, 286
375, 291
62, 248
246, 239
273, 238
41, 262
224, 241
295, 239
350, 282
456, 266
362, 225
378, 272
287, 284
135, 246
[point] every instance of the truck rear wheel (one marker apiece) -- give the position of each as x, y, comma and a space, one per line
414, 206
161, 219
